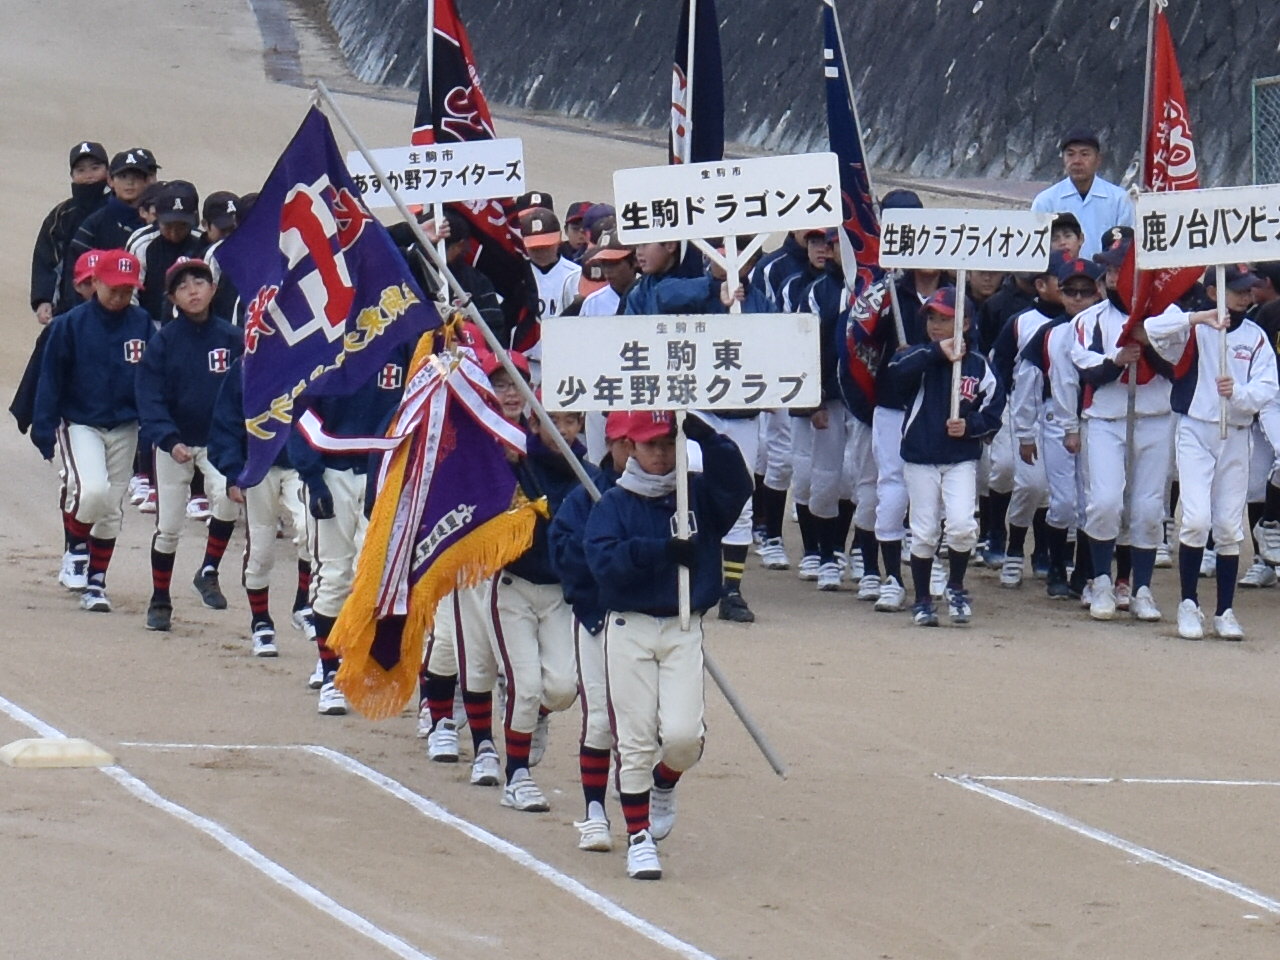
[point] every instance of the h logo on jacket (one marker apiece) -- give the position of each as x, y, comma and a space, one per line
392, 377
133, 350
219, 360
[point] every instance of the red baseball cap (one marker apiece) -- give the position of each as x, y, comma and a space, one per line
185, 265
84, 266
651, 425
617, 426
118, 268
490, 363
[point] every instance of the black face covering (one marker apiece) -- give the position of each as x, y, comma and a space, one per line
83, 193
1116, 301
1237, 317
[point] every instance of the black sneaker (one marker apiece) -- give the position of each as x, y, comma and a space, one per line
206, 584
159, 616
1058, 588
733, 606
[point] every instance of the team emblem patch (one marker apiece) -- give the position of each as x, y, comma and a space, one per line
133, 350
969, 388
219, 360
391, 377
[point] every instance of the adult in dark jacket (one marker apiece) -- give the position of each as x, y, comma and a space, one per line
52, 283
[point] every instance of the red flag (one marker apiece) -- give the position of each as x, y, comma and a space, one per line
453, 108
1170, 164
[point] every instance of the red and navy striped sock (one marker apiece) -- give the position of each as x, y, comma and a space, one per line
329, 660
216, 545
665, 777
302, 598
635, 808
259, 604
517, 750
479, 715
594, 766
161, 575
438, 691
100, 552
75, 533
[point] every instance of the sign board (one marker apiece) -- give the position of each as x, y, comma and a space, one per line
1201, 228
717, 362
693, 201
932, 239
442, 172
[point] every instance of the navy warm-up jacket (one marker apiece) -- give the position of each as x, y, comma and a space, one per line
925, 372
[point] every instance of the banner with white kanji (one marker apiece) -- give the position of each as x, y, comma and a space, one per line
758, 361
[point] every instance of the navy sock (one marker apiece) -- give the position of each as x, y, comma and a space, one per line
808, 531
1124, 562
1271, 510
865, 540
998, 510
959, 563
1017, 541
844, 520
1102, 552
1056, 542
1228, 568
1144, 565
891, 551
1189, 571
921, 573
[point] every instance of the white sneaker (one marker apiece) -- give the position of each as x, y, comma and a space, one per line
1143, 606
264, 640
857, 569
869, 587
74, 574
1164, 558
1086, 595
139, 487
892, 596
198, 508
938, 580
1102, 599
316, 680
94, 599
662, 812
828, 578
1190, 621
149, 502
1124, 595
332, 703
523, 794
593, 832
485, 768
442, 742
1260, 574
1011, 571
1227, 627
809, 565
1268, 534
642, 857
773, 556
424, 721
1209, 565
538, 742
302, 622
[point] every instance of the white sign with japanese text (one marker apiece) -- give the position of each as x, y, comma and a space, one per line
934, 239
1202, 228
755, 361
692, 201
442, 172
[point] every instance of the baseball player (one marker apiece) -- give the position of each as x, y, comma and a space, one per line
1104, 371
654, 667
86, 401
174, 236
110, 226
1213, 471
940, 453
185, 365
52, 279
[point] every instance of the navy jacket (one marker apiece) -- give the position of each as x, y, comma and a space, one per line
107, 228
996, 310
888, 394
544, 472
158, 255
826, 299
91, 361
773, 272
567, 536
52, 276
364, 413
671, 293
228, 446
185, 365
626, 538
925, 372
1004, 351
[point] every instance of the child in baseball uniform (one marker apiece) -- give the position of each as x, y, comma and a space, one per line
185, 365
86, 401
940, 453
654, 666
1213, 470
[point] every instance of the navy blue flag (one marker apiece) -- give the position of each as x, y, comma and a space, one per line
697, 128
328, 295
860, 238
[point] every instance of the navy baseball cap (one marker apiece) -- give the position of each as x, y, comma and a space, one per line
178, 202
147, 156
597, 214
1238, 277
1067, 221
943, 301
1116, 243
220, 211
1268, 270
578, 210
1067, 268
88, 150
901, 199
131, 160
1082, 136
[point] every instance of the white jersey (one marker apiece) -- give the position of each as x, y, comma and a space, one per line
1106, 388
1196, 353
557, 286
1064, 379
602, 303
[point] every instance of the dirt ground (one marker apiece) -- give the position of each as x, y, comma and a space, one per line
866, 850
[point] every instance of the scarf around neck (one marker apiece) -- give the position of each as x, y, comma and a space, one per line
644, 484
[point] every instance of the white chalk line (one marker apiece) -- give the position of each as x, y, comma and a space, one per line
511, 851
1157, 781
1146, 855
229, 841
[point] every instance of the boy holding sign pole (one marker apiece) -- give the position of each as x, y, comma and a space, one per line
1224, 373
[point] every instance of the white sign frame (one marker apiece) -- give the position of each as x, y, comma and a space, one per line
1223, 212
438, 181
694, 201
584, 353
959, 239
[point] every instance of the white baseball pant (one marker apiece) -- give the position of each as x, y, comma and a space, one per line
173, 490
1030, 488
442, 644
280, 490
338, 540
942, 491
1104, 451
1213, 478
801, 460
1262, 460
654, 676
860, 469
1061, 476
1003, 452
829, 483
97, 464
745, 432
533, 631
891, 485
472, 635
596, 732
773, 457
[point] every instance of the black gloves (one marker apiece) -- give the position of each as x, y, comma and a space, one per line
682, 552
695, 428
320, 500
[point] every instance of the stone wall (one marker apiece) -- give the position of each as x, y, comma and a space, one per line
945, 88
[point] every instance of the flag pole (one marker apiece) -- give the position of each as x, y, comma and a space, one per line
430, 66
688, 80
957, 340
517, 378
1220, 285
